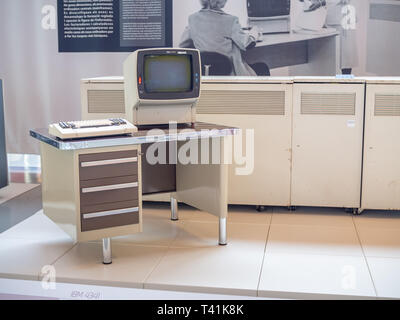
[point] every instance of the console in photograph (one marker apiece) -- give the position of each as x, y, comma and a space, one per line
271, 16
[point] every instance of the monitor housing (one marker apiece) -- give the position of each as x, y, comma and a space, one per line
270, 16
162, 86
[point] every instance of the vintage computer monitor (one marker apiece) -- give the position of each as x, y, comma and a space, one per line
270, 16
162, 85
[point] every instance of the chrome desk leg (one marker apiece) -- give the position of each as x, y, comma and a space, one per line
107, 258
174, 209
222, 232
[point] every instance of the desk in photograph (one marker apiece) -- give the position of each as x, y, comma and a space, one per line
305, 54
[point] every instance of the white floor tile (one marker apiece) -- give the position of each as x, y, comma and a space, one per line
218, 269
386, 276
187, 213
156, 232
380, 242
24, 258
248, 214
13, 190
160, 210
236, 214
311, 216
37, 226
319, 240
378, 219
131, 265
206, 234
312, 253
163, 210
315, 277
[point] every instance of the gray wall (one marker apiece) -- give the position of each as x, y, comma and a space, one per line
41, 85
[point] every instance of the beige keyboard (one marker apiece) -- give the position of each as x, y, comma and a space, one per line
91, 128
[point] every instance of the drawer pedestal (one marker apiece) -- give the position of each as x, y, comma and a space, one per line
93, 194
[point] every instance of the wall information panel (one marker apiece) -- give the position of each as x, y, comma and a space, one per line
113, 26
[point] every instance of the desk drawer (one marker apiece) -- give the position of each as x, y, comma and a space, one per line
109, 215
108, 164
108, 190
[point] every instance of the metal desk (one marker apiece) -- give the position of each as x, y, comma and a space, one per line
203, 186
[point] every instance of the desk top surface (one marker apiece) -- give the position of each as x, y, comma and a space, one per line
274, 39
143, 136
288, 79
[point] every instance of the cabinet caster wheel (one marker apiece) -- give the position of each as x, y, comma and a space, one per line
292, 208
260, 208
353, 211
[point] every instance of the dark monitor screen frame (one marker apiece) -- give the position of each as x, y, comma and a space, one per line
257, 8
196, 74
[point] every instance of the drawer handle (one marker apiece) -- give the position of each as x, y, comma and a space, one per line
110, 213
110, 187
108, 162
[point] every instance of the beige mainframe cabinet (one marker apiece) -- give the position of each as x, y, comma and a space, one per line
102, 98
381, 171
308, 136
327, 142
263, 106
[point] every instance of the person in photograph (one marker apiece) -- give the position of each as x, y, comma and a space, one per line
315, 4
348, 37
213, 30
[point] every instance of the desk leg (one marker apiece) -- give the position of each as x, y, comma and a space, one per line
222, 232
323, 58
205, 186
107, 258
174, 209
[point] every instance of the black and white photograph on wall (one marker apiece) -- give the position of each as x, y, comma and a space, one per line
289, 37
236, 38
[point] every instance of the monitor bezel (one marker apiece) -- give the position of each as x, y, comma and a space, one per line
269, 16
196, 74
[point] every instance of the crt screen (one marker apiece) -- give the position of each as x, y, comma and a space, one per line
268, 8
168, 73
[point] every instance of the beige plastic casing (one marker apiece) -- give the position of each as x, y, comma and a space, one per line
147, 112
381, 172
327, 148
269, 183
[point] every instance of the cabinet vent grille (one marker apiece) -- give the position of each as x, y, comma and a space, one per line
241, 102
106, 101
328, 103
387, 105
